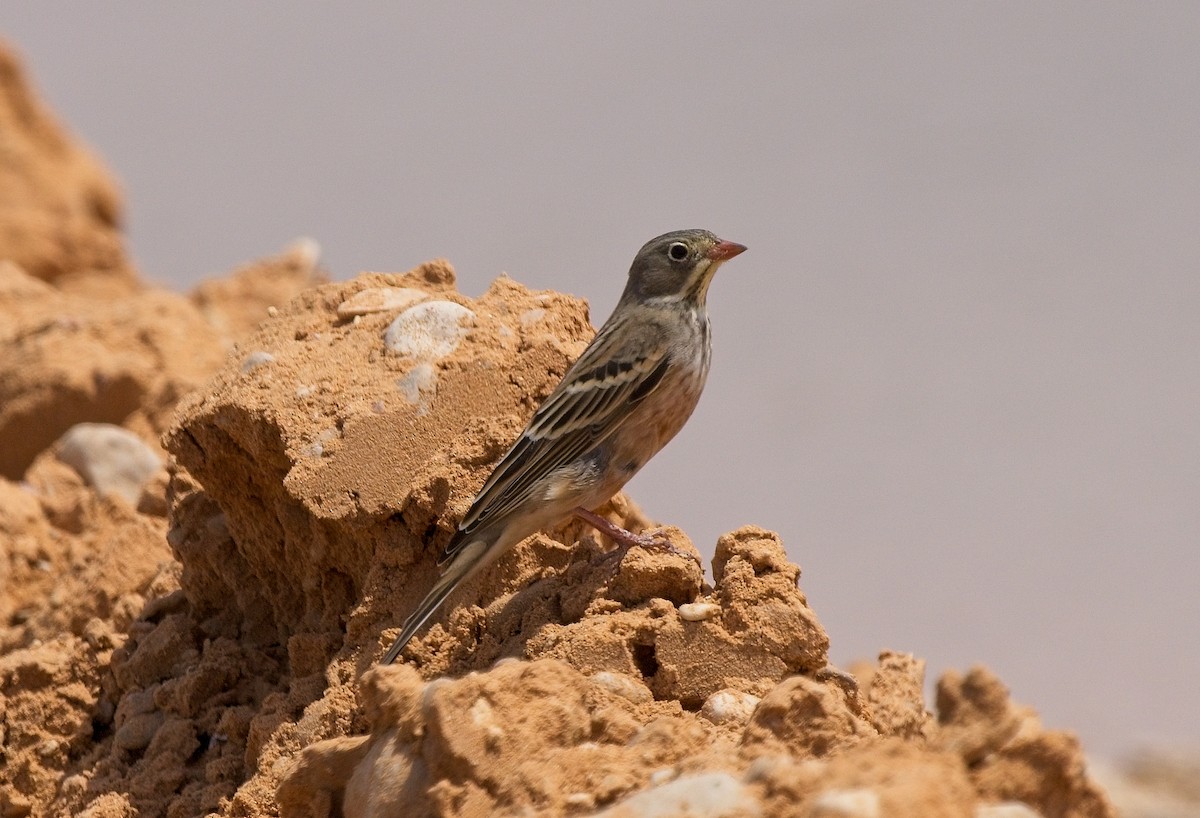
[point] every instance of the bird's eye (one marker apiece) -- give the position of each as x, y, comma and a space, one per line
678, 251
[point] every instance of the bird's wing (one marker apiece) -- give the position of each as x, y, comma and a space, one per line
615, 372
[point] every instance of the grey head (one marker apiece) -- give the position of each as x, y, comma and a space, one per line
677, 266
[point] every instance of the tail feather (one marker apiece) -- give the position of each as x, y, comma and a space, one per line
468, 560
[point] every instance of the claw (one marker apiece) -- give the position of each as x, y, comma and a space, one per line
654, 540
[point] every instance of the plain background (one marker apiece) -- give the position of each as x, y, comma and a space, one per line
957, 369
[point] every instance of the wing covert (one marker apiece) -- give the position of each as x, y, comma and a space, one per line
584, 409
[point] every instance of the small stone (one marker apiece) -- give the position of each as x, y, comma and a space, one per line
856, 803
662, 776
305, 250
698, 611
418, 384
580, 800
530, 317
318, 446
136, 733
73, 784
767, 767
621, 685
729, 707
110, 459
380, 299
429, 692
429, 331
256, 359
706, 795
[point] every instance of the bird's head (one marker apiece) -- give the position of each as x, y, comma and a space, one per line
678, 266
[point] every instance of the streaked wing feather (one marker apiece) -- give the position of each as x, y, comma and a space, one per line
584, 409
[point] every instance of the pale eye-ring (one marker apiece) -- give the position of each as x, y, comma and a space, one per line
678, 251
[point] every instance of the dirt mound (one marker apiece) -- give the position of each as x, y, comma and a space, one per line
60, 212
192, 628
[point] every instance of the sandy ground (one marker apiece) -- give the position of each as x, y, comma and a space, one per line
216, 508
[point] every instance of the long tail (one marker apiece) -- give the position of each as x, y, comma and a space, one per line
466, 562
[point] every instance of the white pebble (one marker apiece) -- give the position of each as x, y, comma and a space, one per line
307, 251
317, 447
706, 795
857, 803
580, 800
698, 611
73, 784
530, 317
662, 775
621, 685
256, 359
429, 331
428, 692
762, 768
729, 706
380, 299
482, 714
419, 384
110, 459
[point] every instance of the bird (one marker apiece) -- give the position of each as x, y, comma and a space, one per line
629, 392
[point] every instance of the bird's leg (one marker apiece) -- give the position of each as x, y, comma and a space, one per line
652, 540
614, 532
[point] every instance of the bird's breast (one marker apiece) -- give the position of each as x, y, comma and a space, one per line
660, 416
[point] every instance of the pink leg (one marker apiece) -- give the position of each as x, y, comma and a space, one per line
624, 539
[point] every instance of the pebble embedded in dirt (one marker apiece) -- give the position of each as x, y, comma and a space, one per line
110, 459
380, 299
429, 331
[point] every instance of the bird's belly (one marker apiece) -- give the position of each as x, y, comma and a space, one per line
649, 428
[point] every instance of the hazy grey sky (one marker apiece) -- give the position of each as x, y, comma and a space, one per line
958, 369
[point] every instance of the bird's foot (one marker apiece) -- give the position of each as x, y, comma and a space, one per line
655, 539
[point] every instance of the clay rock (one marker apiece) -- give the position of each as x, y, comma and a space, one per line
896, 696
46, 697
975, 715
59, 209
1010, 756
535, 738
71, 358
68, 555
756, 629
882, 778
234, 305
329, 480
805, 717
540, 738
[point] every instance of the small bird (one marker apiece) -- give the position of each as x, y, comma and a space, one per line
626, 396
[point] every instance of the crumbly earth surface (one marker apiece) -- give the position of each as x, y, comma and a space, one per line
205, 642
